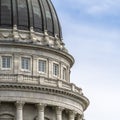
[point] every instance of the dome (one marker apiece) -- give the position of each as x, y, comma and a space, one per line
38, 15
35, 66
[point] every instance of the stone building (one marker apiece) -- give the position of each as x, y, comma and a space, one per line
35, 65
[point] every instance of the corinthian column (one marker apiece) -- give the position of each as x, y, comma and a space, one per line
19, 110
59, 113
40, 108
71, 115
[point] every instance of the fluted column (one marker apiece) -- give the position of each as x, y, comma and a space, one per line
19, 110
71, 115
59, 113
40, 108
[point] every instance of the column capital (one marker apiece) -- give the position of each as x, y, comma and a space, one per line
19, 110
80, 116
72, 114
19, 104
59, 109
40, 106
59, 112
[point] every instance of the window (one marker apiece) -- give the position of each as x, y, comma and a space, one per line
42, 66
55, 69
6, 61
25, 63
64, 73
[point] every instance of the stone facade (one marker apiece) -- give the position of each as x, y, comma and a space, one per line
35, 77
34, 95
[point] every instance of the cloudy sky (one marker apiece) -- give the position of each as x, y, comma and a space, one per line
91, 32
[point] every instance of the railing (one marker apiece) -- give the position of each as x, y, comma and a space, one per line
20, 78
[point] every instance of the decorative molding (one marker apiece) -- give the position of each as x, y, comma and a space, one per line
31, 88
39, 80
15, 33
33, 37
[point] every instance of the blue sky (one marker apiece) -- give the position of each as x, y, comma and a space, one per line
91, 32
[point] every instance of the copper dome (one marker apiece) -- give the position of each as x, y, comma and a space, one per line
38, 14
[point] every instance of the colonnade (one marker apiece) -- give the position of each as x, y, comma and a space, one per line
41, 108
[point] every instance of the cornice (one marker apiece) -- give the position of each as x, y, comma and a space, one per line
33, 46
45, 89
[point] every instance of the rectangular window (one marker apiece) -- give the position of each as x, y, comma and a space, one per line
55, 69
64, 73
42, 66
6, 61
25, 63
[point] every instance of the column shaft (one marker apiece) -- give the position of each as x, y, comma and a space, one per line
40, 111
19, 110
71, 115
59, 113
79, 117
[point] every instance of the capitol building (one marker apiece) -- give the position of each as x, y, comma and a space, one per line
35, 65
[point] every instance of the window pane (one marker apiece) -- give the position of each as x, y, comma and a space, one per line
6, 62
42, 66
55, 69
25, 63
64, 73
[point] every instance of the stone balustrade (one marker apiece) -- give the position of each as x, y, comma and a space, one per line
20, 78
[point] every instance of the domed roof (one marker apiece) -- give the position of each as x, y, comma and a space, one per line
26, 14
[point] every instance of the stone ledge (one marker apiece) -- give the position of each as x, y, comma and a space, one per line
45, 89
39, 80
31, 46
32, 37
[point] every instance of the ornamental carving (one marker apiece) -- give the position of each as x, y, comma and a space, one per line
31, 36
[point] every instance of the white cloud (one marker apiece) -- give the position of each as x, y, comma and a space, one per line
97, 54
104, 104
94, 7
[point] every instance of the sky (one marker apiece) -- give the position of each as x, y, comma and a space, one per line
91, 33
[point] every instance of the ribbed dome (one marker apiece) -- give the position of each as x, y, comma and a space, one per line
38, 14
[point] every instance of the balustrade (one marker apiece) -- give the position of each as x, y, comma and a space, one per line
28, 79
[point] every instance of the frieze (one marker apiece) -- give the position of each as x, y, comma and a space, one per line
31, 36
56, 91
